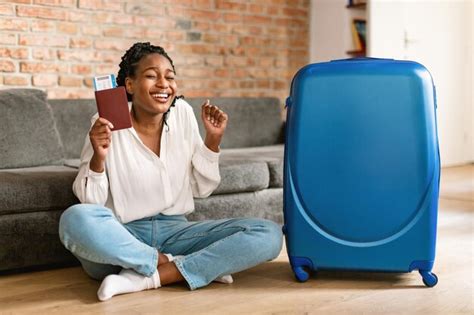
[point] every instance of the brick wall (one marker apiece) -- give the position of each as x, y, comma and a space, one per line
219, 47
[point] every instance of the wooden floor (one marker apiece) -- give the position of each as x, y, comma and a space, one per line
271, 289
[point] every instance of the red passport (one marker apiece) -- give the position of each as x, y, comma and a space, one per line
112, 105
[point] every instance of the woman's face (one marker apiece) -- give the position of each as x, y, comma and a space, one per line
153, 88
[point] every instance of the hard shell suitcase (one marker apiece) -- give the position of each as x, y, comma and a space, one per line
361, 168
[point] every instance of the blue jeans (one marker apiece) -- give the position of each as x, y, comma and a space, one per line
210, 249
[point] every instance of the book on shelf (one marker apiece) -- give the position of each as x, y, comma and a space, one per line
358, 30
356, 2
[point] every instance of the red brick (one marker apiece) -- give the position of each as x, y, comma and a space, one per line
206, 15
143, 8
256, 8
263, 84
163, 23
7, 39
44, 53
109, 57
247, 84
67, 28
203, 4
94, 30
14, 24
80, 16
237, 51
45, 80
88, 82
41, 12
181, 60
195, 72
215, 61
280, 85
131, 32
6, 9
15, 53
222, 84
232, 17
21, 1
7, 66
221, 27
17, 80
81, 69
80, 42
195, 49
236, 61
122, 19
201, 26
57, 3
229, 40
187, 3
43, 26
102, 17
42, 67
112, 44
292, 12
222, 73
173, 36
211, 38
107, 5
240, 73
106, 69
230, 5
186, 84
200, 93
43, 40
273, 10
266, 61
257, 19
70, 81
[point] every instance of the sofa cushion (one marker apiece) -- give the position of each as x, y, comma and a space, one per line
28, 135
31, 239
252, 121
73, 120
236, 175
272, 155
266, 204
242, 176
36, 189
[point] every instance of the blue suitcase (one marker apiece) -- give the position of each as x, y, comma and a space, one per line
361, 168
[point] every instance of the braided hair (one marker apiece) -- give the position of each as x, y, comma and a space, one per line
130, 61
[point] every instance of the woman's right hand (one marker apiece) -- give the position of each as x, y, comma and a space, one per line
100, 136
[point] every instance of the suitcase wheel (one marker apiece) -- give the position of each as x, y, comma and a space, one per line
301, 274
429, 278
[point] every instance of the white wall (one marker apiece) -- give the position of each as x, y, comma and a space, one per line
330, 29
438, 34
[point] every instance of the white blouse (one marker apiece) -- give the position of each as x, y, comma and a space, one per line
137, 183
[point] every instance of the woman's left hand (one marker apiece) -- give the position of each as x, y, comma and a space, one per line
215, 123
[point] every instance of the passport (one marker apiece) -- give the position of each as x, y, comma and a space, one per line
112, 105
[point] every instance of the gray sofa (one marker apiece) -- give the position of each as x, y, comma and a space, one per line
40, 144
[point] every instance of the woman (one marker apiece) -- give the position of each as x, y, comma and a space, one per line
136, 185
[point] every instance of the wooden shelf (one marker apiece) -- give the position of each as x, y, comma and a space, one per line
357, 53
357, 6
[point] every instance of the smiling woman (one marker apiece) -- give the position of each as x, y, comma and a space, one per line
136, 185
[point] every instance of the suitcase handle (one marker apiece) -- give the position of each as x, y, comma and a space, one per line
362, 59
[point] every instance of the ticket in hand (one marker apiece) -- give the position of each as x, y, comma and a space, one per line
104, 82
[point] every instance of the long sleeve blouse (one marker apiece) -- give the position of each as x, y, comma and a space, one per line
137, 183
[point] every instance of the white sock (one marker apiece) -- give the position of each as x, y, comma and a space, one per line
227, 279
127, 281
